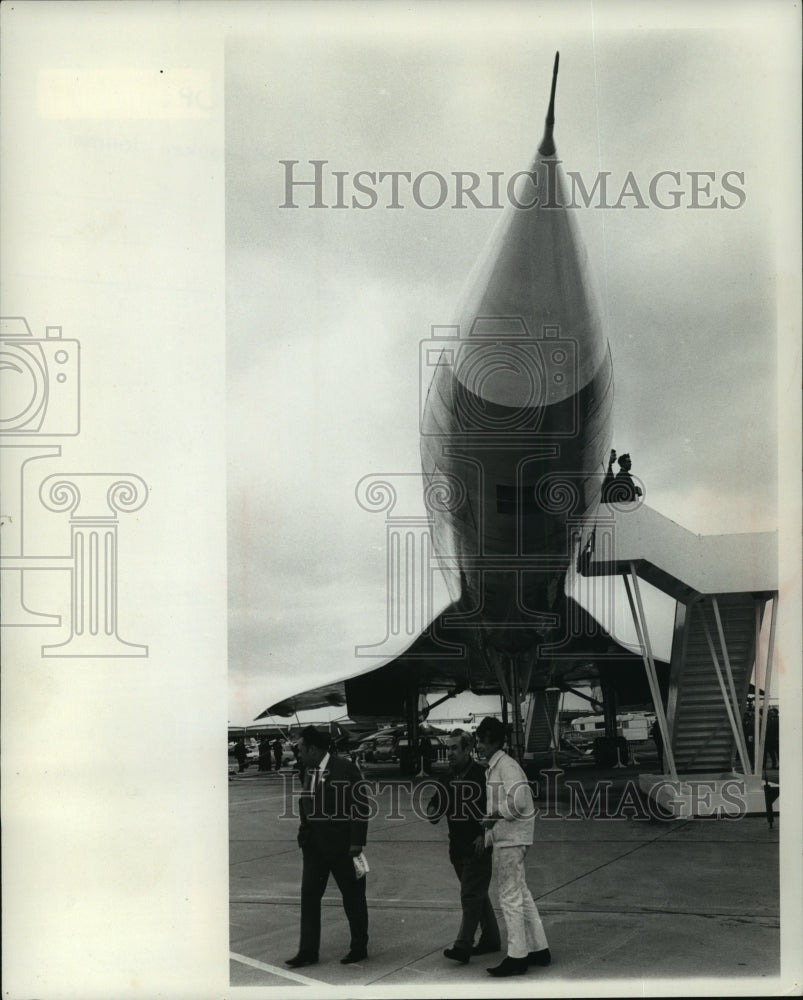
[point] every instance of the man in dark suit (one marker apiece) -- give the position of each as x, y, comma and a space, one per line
462, 799
333, 830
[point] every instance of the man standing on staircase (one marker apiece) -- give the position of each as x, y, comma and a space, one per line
509, 829
619, 488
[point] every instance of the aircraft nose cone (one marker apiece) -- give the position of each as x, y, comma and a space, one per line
501, 372
531, 283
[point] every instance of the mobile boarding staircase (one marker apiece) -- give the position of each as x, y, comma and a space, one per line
541, 727
722, 585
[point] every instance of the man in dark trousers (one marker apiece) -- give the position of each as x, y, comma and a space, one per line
658, 739
462, 800
264, 754
334, 826
276, 746
772, 738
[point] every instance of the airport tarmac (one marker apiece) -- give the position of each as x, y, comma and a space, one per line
623, 894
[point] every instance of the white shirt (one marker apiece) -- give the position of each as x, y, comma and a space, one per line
317, 772
509, 796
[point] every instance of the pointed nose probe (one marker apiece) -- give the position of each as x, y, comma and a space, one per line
547, 147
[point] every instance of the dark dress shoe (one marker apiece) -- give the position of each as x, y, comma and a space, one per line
485, 949
302, 958
510, 967
460, 955
541, 957
353, 956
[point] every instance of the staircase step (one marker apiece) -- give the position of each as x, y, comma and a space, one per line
702, 737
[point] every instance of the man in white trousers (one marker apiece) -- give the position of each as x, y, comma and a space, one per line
509, 829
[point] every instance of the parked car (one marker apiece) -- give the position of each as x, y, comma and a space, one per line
366, 751
385, 749
376, 750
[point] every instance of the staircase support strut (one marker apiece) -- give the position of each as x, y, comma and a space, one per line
767, 683
552, 721
528, 720
517, 735
637, 611
757, 686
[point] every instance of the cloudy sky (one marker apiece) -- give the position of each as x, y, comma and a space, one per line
326, 307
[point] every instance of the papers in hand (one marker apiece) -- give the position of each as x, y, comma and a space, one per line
361, 867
